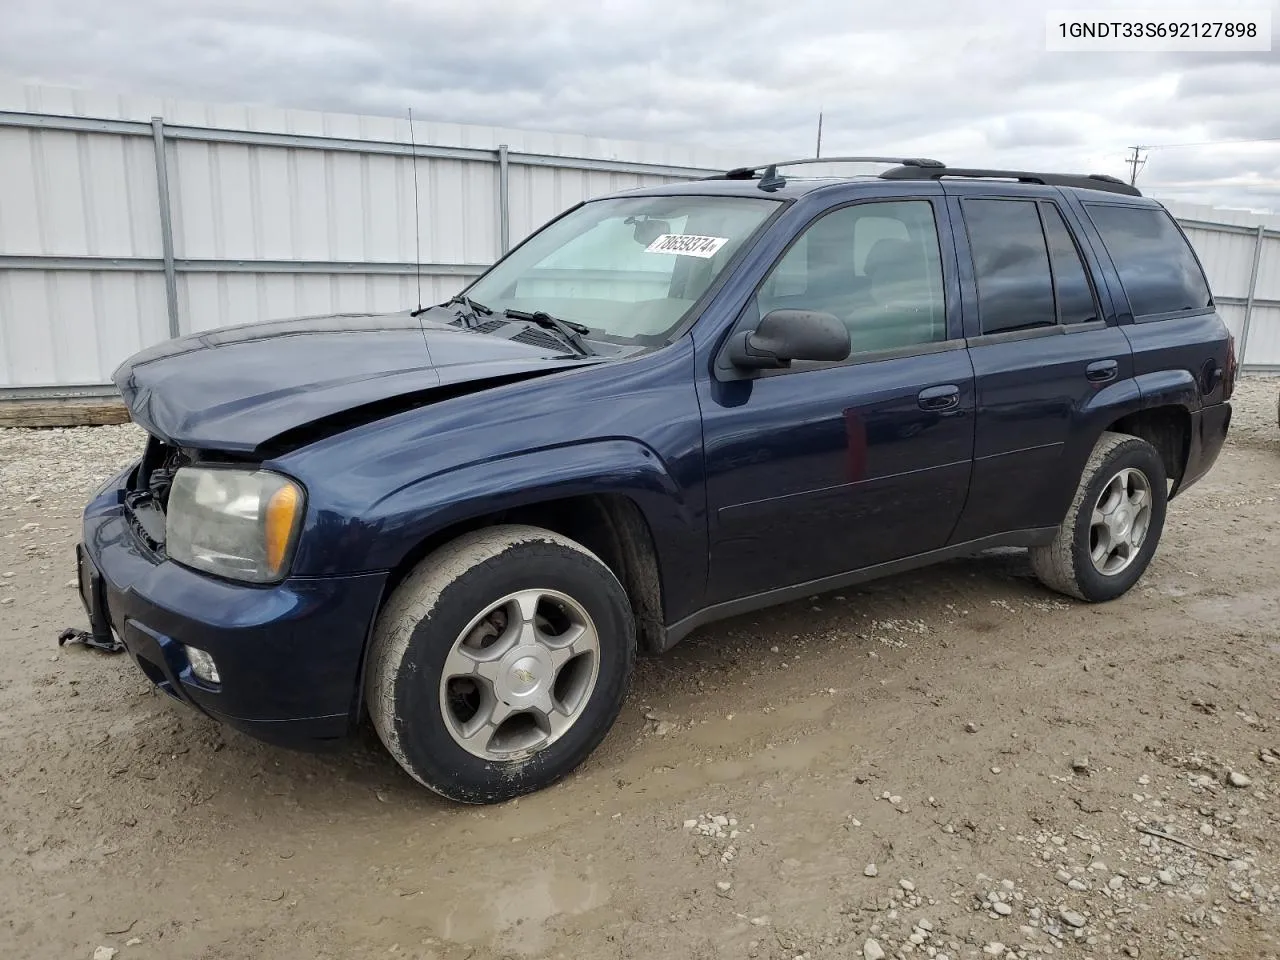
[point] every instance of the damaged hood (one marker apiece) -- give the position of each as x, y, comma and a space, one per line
236, 388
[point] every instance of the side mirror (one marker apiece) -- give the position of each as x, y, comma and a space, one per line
786, 335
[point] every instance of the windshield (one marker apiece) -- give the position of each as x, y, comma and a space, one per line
628, 267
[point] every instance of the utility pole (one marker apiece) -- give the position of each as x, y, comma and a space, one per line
1136, 163
818, 152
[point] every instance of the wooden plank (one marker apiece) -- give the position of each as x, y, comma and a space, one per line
62, 413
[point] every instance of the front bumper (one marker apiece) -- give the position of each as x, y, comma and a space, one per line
289, 656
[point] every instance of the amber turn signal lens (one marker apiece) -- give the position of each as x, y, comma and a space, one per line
282, 511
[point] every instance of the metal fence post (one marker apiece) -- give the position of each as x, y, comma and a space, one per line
504, 200
1259, 238
166, 226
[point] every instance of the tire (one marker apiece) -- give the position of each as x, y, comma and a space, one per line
428, 631
1067, 564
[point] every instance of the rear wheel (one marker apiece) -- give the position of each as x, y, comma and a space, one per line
500, 663
1109, 535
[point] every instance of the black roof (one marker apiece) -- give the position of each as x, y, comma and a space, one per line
743, 188
766, 180
1090, 181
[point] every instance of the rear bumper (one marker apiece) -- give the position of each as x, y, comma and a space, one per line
288, 656
1209, 427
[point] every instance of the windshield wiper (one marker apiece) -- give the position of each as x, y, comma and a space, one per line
470, 318
570, 331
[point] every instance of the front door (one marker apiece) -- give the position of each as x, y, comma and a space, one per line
826, 468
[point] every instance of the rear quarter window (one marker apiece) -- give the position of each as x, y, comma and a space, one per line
1157, 268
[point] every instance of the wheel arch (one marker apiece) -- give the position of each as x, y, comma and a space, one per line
610, 525
1167, 428
1155, 407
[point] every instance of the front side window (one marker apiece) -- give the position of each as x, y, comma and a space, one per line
1011, 263
627, 267
1157, 269
875, 266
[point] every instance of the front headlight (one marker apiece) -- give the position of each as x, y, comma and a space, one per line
241, 524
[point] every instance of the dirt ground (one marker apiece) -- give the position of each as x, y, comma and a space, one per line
953, 763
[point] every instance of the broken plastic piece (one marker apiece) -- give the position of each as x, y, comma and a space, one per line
72, 635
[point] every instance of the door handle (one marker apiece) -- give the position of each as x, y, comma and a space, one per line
1100, 371
944, 397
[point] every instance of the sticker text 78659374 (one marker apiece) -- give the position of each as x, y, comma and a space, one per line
687, 245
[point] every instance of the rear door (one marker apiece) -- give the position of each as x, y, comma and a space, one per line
1042, 351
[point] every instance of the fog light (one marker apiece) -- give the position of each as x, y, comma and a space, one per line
202, 665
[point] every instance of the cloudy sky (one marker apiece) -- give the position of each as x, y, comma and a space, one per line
966, 81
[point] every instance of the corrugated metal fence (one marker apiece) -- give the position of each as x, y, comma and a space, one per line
1241, 253
125, 222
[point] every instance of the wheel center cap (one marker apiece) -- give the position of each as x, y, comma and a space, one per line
1122, 521
524, 676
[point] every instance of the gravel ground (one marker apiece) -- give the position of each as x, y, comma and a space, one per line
949, 764
1254, 413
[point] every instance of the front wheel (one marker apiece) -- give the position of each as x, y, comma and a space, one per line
500, 663
1109, 535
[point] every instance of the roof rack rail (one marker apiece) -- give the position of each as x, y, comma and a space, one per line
770, 180
1090, 181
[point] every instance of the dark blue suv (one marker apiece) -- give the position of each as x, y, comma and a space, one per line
665, 407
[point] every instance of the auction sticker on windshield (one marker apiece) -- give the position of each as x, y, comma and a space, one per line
687, 245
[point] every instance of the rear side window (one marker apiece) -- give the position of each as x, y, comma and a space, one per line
1070, 279
1156, 266
1011, 262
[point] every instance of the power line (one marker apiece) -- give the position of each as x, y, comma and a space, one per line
1135, 164
1208, 143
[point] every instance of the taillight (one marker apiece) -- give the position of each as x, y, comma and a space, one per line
1229, 375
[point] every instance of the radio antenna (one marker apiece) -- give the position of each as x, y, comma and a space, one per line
417, 232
